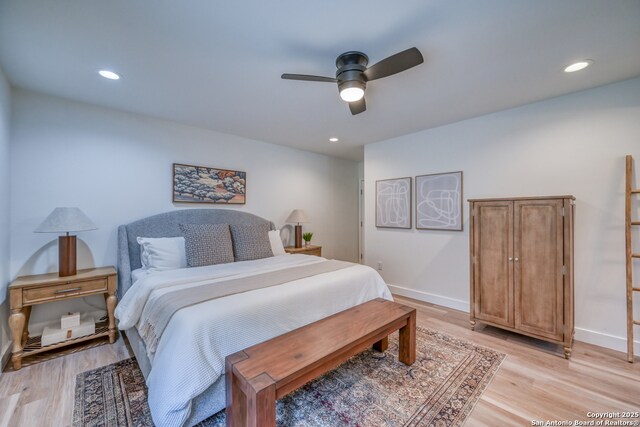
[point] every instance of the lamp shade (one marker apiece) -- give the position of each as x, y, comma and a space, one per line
297, 216
64, 220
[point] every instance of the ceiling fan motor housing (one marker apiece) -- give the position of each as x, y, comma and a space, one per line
351, 67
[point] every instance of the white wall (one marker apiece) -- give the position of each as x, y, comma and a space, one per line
5, 109
117, 167
573, 144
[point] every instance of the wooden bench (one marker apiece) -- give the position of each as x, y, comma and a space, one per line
258, 375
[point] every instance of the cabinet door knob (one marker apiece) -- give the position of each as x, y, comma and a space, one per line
510, 258
517, 259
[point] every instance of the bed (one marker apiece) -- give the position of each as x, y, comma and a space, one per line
184, 368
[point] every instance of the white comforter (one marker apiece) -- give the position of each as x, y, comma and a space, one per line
191, 352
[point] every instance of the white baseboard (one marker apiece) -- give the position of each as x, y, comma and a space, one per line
431, 298
5, 354
612, 342
605, 340
5, 335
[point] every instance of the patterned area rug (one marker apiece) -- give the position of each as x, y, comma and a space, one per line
370, 389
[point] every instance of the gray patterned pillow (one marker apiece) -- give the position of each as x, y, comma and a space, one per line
207, 244
251, 241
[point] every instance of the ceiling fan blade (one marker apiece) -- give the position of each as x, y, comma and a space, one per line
308, 78
358, 107
394, 64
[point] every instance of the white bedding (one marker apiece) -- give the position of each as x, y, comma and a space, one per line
138, 274
191, 352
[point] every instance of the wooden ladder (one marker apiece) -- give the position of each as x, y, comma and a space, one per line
630, 257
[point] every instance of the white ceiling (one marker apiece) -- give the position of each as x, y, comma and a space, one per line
217, 64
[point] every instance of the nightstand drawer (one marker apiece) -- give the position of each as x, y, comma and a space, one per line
52, 293
316, 252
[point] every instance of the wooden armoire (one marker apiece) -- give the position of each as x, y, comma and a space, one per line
522, 266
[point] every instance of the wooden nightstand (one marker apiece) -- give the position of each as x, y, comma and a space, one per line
306, 250
27, 291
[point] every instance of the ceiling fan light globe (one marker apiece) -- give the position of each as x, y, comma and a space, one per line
352, 94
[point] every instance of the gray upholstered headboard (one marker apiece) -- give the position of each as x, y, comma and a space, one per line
168, 225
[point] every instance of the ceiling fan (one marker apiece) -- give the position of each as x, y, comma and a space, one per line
352, 75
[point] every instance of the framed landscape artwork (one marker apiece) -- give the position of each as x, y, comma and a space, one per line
201, 184
439, 201
393, 203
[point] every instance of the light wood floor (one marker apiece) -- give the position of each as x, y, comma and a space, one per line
534, 382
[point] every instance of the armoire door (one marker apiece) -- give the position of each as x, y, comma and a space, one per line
493, 270
538, 260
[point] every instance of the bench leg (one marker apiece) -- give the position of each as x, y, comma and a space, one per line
381, 345
256, 408
407, 351
236, 410
261, 402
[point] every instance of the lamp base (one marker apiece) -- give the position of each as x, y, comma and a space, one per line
298, 236
67, 256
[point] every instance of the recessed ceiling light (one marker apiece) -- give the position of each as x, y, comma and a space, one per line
108, 74
333, 140
577, 66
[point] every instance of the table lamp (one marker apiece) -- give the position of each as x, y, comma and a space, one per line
66, 220
298, 216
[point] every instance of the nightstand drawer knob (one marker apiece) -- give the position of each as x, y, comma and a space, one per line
66, 291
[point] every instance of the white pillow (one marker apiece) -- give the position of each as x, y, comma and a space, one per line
276, 243
162, 253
